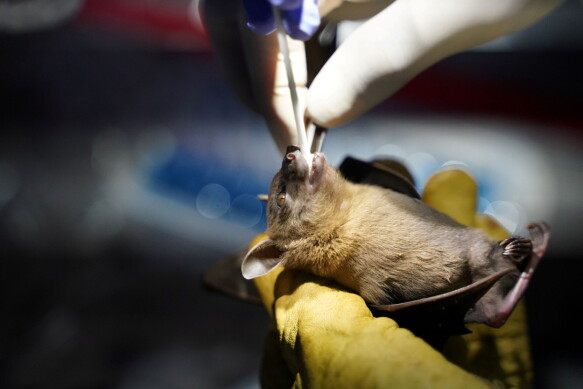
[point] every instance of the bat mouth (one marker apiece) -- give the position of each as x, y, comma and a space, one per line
317, 169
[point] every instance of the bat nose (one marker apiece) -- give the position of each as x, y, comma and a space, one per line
292, 153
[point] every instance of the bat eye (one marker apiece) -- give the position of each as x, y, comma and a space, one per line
281, 199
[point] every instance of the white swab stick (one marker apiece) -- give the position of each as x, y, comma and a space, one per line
301, 130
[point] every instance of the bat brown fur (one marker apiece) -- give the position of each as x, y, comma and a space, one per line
386, 246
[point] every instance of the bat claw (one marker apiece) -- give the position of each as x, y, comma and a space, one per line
518, 250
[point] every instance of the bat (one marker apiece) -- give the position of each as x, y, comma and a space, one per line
388, 246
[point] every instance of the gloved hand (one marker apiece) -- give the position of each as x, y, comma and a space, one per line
401, 40
300, 18
325, 337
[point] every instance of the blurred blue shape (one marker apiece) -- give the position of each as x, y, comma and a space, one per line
213, 201
209, 186
300, 18
246, 210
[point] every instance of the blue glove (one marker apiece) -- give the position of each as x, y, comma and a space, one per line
300, 17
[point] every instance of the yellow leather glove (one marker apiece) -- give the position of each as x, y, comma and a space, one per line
324, 336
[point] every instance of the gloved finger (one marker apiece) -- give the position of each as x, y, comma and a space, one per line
253, 66
223, 21
403, 40
339, 10
300, 18
269, 82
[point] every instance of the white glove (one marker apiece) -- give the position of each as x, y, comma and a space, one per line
254, 68
377, 59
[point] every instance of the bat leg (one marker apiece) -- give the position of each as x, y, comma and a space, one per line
540, 234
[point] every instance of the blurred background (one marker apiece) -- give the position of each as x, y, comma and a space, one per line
127, 168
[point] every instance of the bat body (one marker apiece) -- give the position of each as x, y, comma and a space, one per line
386, 246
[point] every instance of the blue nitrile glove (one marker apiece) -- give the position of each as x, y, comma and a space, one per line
300, 17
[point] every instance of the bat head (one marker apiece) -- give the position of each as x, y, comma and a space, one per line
294, 191
296, 196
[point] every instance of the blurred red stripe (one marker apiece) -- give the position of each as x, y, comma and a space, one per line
160, 21
170, 23
446, 91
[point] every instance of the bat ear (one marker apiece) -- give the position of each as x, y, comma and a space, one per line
261, 259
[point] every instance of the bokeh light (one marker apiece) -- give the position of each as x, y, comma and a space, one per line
213, 201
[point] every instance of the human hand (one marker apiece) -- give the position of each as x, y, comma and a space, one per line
399, 41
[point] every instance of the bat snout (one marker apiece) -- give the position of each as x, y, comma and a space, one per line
292, 149
294, 165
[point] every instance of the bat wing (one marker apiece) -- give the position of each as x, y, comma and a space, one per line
225, 277
495, 308
386, 173
432, 318
438, 317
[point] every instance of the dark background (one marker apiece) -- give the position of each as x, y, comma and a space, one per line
116, 121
